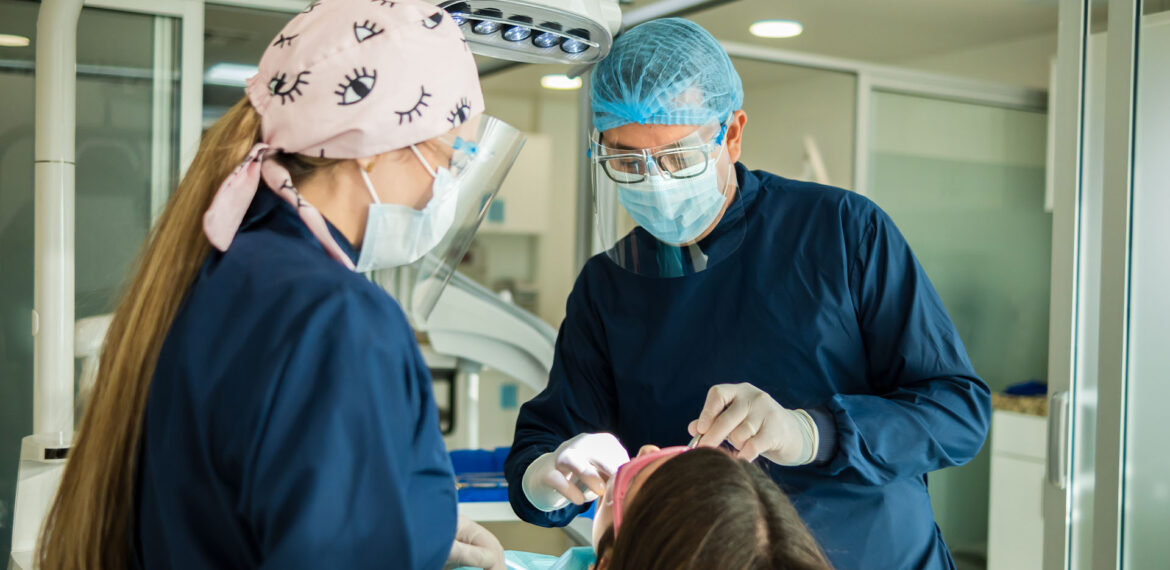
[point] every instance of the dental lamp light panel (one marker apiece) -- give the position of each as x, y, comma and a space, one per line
538, 31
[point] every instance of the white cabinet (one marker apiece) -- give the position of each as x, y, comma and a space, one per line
1015, 525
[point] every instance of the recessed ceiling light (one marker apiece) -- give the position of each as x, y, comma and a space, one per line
229, 74
9, 40
776, 28
560, 81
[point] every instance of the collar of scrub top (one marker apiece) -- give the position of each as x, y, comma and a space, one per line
641, 244
318, 93
266, 203
626, 473
749, 185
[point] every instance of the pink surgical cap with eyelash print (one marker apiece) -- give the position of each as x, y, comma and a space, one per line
348, 79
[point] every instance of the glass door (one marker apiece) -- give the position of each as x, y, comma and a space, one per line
1107, 501
135, 131
1145, 464
1073, 324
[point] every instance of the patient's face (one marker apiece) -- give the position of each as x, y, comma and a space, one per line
604, 517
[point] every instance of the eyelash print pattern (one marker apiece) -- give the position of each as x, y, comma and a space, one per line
459, 114
288, 185
284, 40
366, 30
356, 88
431, 22
310, 8
278, 85
384, 3
409, 115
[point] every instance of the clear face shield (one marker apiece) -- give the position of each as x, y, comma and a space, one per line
483, 150
671, 210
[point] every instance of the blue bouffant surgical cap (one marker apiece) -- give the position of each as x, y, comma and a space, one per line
665, 72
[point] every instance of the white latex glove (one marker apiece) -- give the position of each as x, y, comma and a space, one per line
756, 425
474, 546
576, 472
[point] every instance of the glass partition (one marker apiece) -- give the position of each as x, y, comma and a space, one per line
965, 185
1146, 503
127, 101
801, 121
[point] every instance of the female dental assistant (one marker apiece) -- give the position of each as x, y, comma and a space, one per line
789, 319
260, 403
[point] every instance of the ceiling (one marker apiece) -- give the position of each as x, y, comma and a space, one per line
886, 31
900, 32
897, 32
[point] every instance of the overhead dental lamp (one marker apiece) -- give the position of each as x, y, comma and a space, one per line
538, 31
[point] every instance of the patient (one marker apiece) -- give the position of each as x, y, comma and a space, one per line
702, 508
678, 508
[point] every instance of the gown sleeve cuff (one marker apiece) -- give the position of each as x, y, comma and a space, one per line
514, 470
826, 433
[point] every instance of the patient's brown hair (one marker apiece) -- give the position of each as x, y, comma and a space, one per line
705, 509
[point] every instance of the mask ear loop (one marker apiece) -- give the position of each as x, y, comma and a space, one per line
366, 179
426, 165
730, 173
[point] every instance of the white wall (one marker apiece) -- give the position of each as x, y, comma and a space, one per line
546, 260
945, 130
817, 103
1022, 62
556, 262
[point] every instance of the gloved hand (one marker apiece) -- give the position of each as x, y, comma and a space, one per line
755, 424
474, 546
576, 472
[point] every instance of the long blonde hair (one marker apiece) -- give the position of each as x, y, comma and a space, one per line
88, 525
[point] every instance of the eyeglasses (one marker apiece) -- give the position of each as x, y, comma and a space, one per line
685, 158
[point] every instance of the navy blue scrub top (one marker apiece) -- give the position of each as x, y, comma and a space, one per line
290, 422
824, 307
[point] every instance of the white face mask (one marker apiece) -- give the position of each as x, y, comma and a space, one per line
676, 211
399, 235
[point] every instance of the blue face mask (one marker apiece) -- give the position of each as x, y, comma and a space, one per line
676, 211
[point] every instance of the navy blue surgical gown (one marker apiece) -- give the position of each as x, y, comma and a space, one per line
824, 307
290, 422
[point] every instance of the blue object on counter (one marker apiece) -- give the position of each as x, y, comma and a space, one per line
479, 460
1029, 388
479, 474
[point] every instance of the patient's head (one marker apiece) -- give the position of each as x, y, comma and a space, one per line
701, 508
